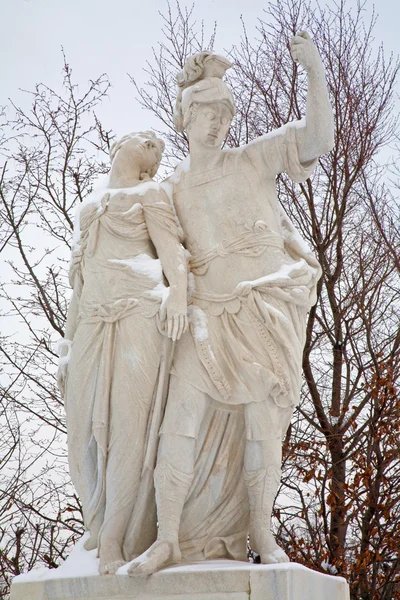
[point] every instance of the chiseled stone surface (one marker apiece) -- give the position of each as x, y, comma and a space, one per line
211, 580
253, 281
204, 446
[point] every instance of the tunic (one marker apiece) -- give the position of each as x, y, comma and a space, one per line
248, 338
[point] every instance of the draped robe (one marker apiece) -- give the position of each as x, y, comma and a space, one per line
113, 372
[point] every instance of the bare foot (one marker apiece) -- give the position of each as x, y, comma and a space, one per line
91, 543
110, 558
269, 551
160, 555
274, 557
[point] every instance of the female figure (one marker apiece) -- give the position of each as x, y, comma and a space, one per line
110, 356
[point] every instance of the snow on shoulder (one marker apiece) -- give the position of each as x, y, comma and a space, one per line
97, 195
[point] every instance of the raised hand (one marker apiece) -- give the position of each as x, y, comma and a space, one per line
304, 51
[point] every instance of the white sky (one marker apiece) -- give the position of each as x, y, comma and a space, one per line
116, 36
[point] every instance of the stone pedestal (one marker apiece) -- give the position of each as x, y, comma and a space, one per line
209, 580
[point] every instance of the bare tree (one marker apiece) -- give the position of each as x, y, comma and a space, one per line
339, 505
52, 154
338, 510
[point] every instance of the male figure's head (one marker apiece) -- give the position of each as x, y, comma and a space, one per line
204, 106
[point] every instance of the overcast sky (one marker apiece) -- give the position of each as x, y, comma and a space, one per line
116, 36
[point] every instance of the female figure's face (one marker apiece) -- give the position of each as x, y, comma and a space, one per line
143, 152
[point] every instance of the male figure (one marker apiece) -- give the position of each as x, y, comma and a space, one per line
254, 282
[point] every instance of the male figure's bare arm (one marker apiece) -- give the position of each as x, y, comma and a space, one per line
171, 254
317, 137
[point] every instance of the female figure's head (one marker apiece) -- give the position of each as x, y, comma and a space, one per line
137, 155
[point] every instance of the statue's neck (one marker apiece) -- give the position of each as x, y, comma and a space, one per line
124, 175
203, 158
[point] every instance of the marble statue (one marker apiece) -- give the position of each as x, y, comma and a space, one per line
209, 247
253, 279
114, 352
181, 362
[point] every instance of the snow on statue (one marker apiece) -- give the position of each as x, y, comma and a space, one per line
234, 379
113, 355
254, 281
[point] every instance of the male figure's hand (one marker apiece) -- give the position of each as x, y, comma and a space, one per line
304, 51
176, 317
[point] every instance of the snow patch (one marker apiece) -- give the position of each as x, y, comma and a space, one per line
141, 188
183, 167
226, 564
80, 563
284, 272
83, 563
329, 568
161, 291
58, 348
191, 285
198, 319
143, 264
134, 208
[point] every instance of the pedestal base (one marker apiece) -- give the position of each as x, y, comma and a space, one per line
209, 580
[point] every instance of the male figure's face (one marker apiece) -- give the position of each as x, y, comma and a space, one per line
210, 125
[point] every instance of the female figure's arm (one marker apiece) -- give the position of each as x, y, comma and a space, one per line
64, 345
166, 236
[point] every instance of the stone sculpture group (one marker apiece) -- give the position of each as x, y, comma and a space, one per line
181, 362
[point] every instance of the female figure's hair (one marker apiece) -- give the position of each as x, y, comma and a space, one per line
141, 136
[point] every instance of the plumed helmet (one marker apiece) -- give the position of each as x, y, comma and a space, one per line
200, 81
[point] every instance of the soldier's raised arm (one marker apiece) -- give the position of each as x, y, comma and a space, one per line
317, 136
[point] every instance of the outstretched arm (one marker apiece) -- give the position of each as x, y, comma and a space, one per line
317, 137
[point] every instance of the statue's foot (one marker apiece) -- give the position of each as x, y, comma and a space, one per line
269, 551
274, 556
91, 543
110, 558
111, 568
160, 555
